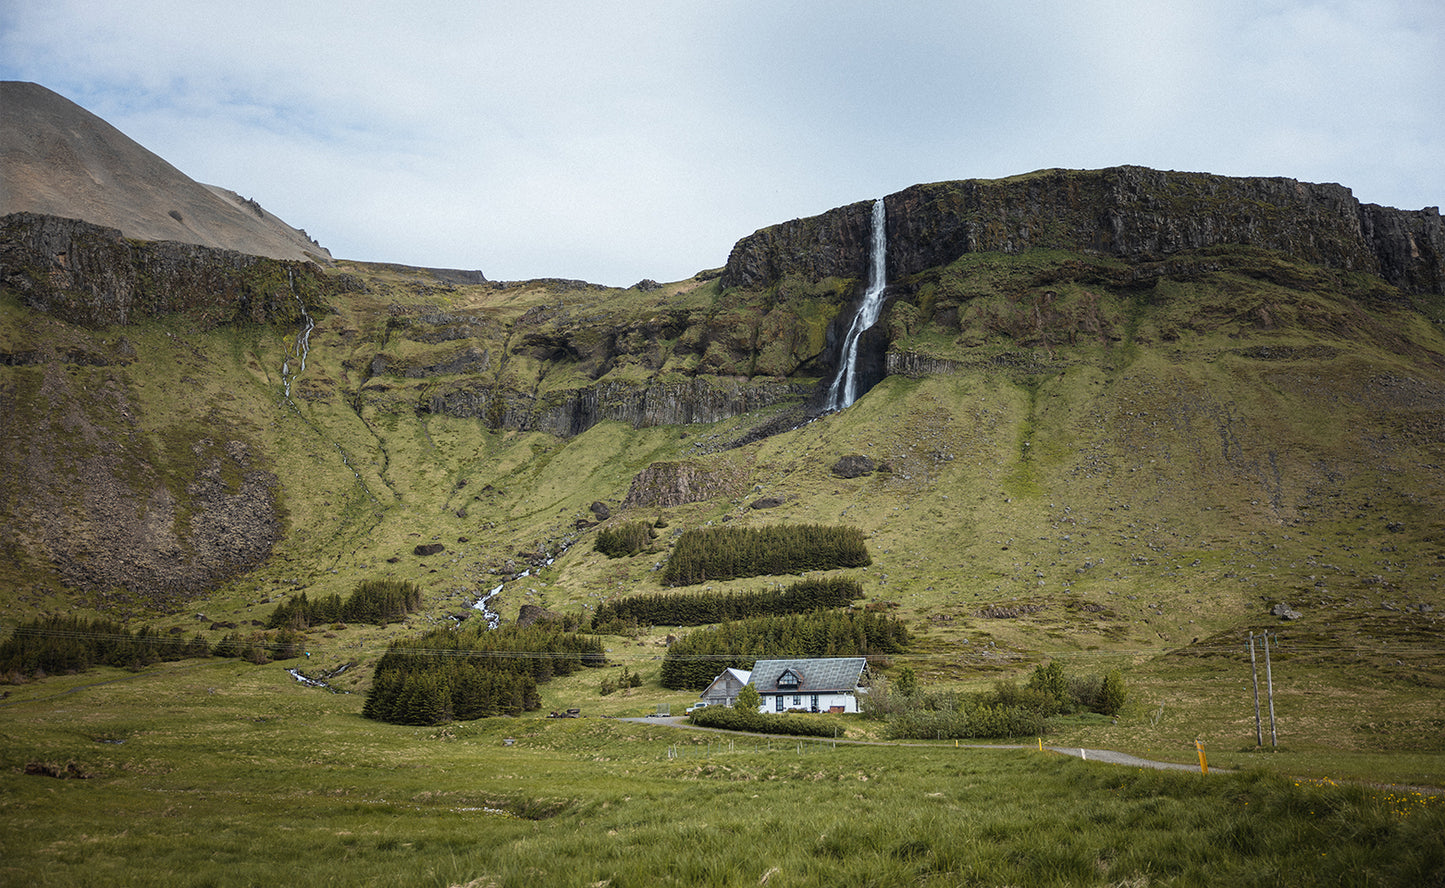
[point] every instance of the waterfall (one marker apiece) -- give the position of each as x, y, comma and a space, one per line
302, 345
844, 390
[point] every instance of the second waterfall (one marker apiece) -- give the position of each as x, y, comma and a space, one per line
844, 390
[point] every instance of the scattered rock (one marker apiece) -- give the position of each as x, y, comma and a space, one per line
1005, 611
425, 549
600, 510
1285, 612
767, 502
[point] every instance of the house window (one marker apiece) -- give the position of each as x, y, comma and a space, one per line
797, 700
778, 703
815, 702
788, 680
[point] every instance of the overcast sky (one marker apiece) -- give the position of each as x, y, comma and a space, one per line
619, 141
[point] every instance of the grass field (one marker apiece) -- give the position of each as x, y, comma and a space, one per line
225, 774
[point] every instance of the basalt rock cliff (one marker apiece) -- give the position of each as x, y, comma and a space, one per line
1127, 212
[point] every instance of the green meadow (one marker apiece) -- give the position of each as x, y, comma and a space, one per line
220, 773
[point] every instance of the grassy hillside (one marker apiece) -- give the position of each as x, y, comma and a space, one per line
1109, 465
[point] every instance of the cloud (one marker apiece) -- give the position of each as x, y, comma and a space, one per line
614, 141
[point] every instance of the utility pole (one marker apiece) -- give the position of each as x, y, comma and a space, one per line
1254, 672
1269, 682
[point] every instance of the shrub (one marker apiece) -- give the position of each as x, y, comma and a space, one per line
1112, 693
1008, 711
739, 719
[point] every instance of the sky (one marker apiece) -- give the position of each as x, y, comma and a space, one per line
613, 142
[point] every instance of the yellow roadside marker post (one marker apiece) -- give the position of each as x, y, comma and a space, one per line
1203, 765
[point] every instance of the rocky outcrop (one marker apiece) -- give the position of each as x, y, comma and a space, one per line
669, 484
571, 412
91, 275
1129, 212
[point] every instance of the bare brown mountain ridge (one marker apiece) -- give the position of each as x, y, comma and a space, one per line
57, 159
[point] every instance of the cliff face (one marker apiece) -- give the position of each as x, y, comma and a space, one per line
93, 276
1127, 212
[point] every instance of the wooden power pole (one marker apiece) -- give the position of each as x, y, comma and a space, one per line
1269, 683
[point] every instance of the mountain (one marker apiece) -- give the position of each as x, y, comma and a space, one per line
1121, 413
60, 160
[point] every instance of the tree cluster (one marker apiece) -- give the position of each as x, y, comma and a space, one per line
261, 647
57, 645
374, 601
624, 540
694, 660
464, 674
725, 553
701, 608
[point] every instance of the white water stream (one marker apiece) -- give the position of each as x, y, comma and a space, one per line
844, 390
493, 618
300, 349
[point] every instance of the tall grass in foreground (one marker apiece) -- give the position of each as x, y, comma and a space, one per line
226, 775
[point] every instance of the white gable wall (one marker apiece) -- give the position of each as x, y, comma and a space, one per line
804, 700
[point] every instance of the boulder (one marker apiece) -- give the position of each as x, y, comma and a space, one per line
1285, 612
854, 466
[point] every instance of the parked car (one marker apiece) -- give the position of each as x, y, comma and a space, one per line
696, 706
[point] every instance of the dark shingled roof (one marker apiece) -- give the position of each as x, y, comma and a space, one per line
814, 676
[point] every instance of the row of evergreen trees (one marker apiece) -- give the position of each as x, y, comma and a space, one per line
374, 601
694, 660
701, 608
57, 645
625, 539
725, 553
464, 674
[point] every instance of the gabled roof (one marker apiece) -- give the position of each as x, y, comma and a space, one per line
740, 676
814, 676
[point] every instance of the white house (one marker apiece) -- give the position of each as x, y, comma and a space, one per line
830, 684
724, 689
